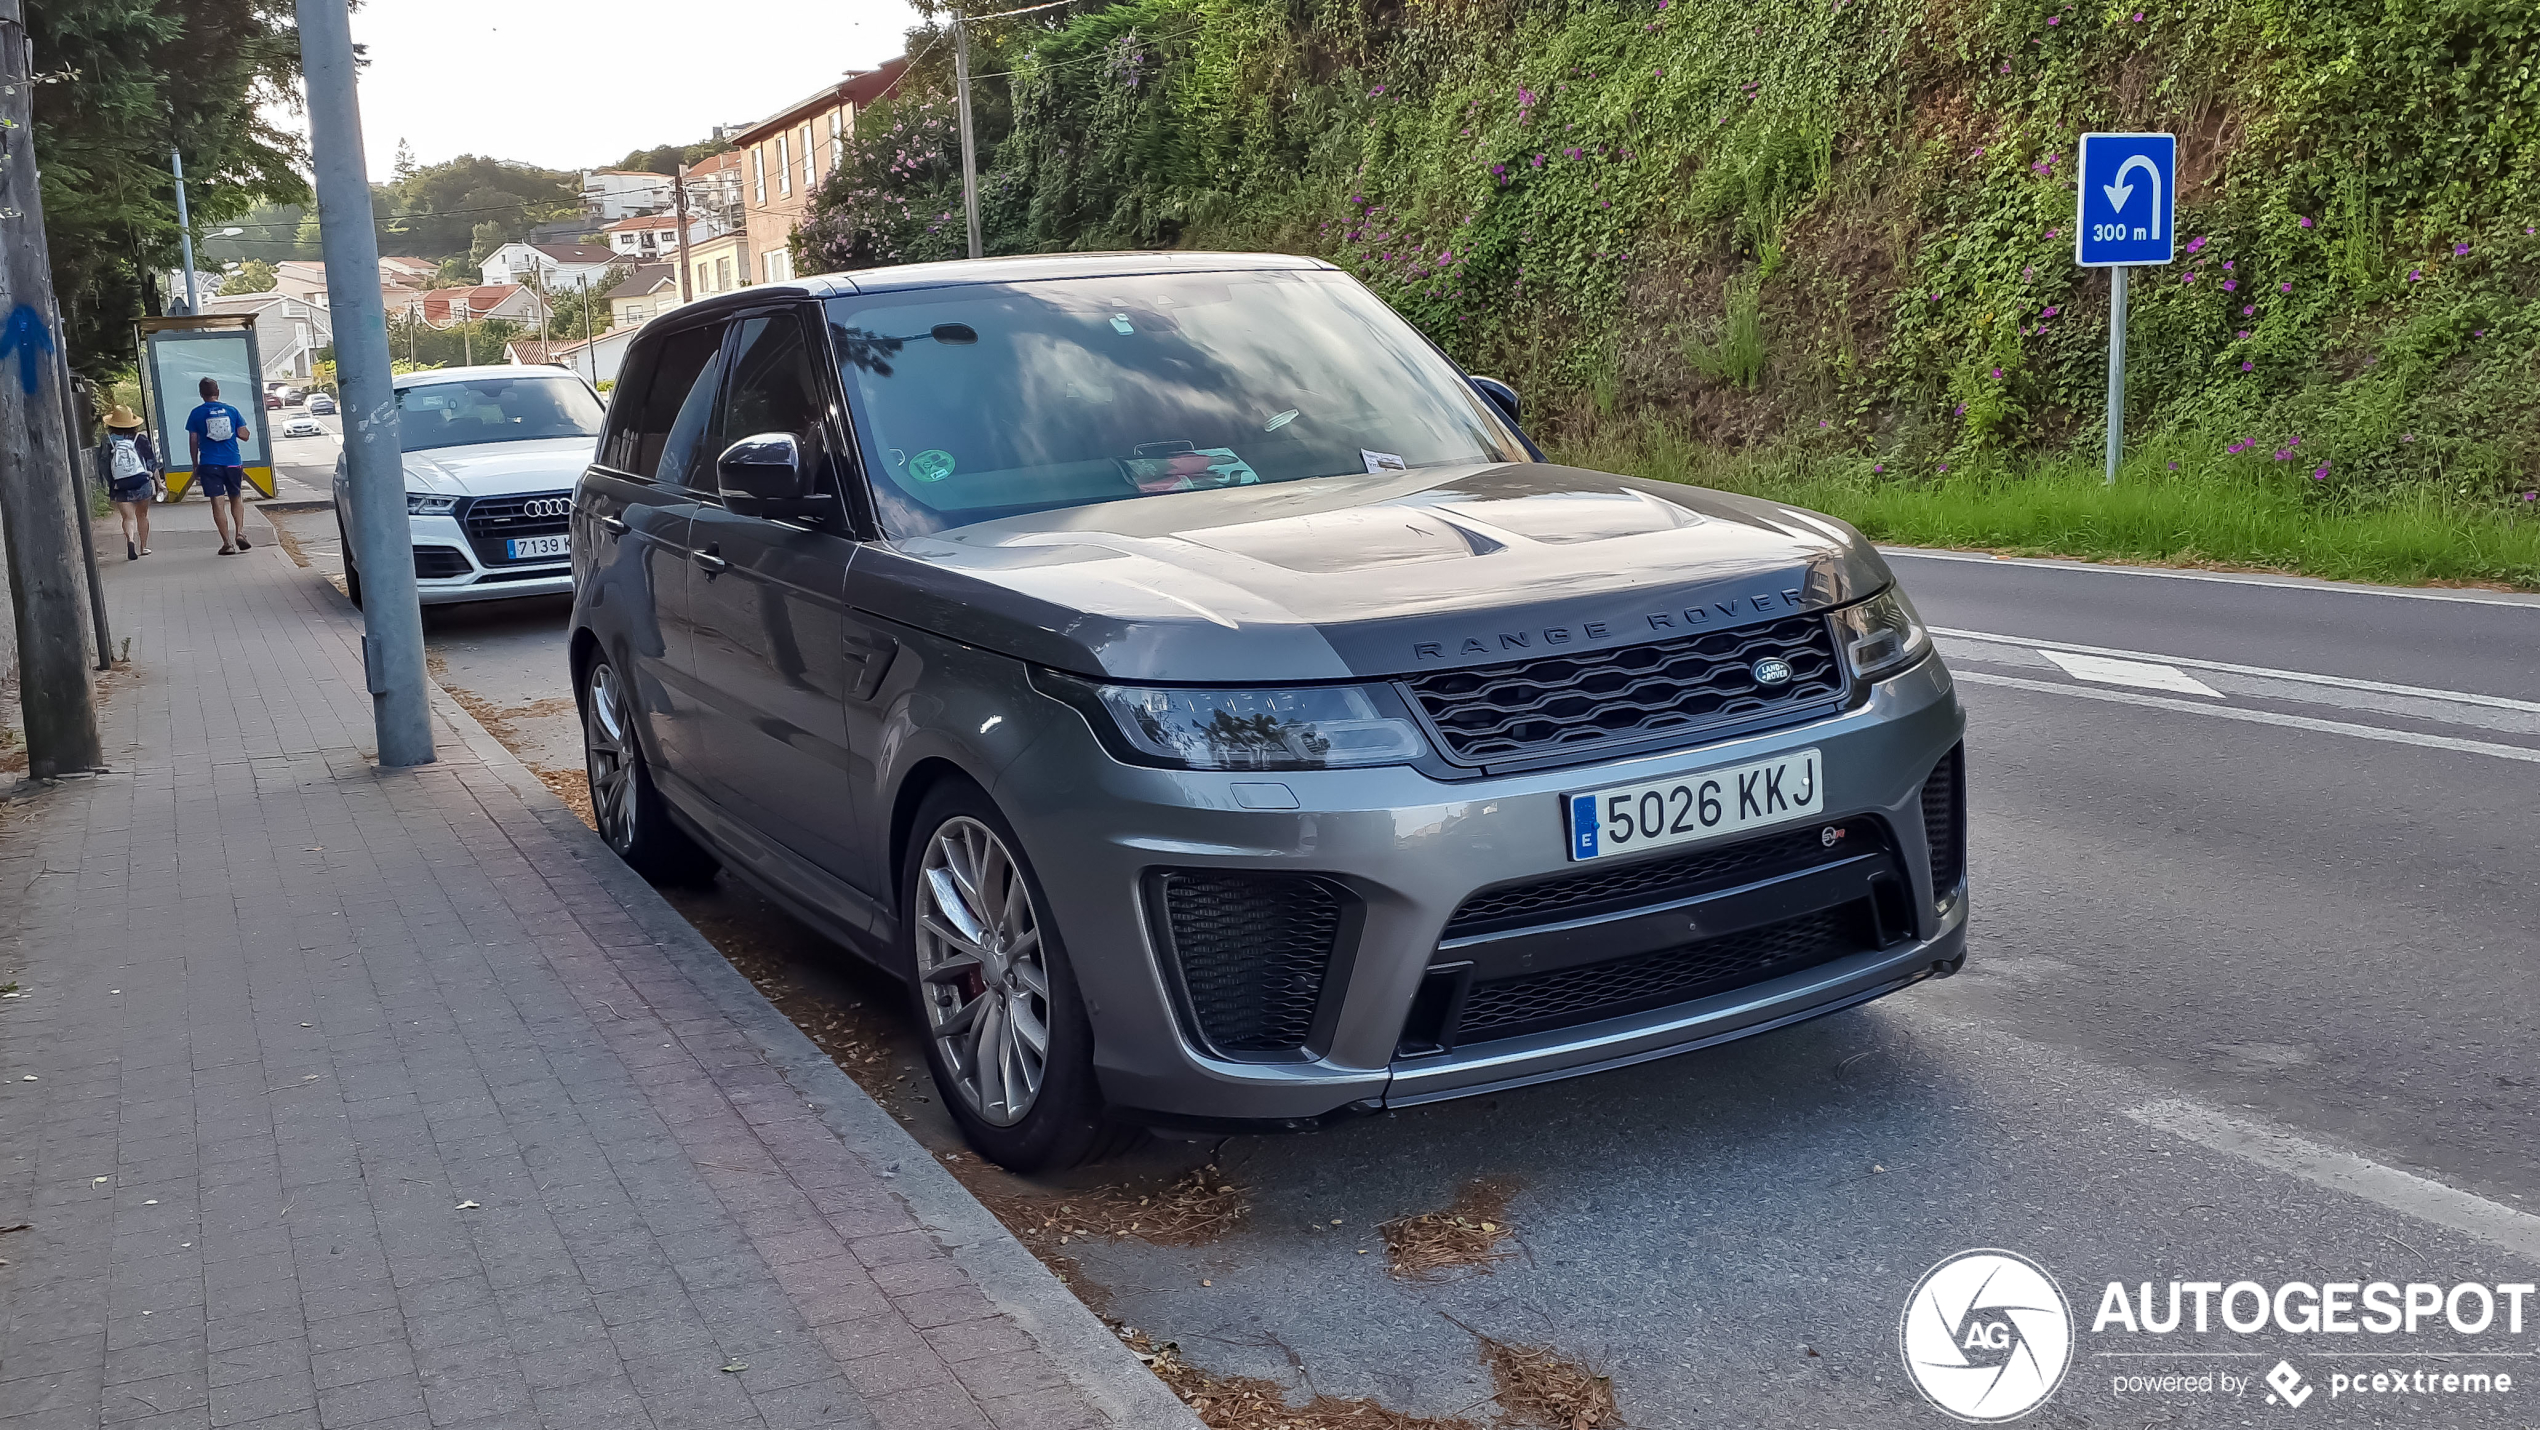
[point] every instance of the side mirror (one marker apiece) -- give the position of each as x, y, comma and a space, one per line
1501, 395
763, 476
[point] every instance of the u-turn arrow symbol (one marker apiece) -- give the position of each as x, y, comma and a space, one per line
2120, 191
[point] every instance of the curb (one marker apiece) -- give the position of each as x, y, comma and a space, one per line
1111, 1378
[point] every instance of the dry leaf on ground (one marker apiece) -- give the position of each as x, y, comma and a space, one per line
1471, 1235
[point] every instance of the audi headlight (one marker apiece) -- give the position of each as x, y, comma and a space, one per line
1881, 635
426, 504
1325, 727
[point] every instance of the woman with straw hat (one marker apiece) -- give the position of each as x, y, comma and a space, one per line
133, 480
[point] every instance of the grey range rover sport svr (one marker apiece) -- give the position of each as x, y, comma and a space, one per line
1209, 700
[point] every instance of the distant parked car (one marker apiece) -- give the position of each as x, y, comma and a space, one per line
321, 404
273, 401
492, 454
302, 427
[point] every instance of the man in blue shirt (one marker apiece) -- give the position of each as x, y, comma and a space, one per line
214, 431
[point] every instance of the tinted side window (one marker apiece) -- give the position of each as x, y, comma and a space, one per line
651, 440
774, 387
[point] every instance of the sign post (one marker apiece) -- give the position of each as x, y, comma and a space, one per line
2125, 218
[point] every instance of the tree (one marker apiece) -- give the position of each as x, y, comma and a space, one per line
439, 210
666, 158
253, 276
567, 306
130, 79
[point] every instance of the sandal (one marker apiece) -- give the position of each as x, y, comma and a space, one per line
229, 551
131, 552
244, 543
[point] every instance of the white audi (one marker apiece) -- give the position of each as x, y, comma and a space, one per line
491, 456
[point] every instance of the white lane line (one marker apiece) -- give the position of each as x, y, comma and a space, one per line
2258, 717
2141, 674
2463, 598
2405, 1192
2341, 682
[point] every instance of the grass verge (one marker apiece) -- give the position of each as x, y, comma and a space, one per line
2169, 506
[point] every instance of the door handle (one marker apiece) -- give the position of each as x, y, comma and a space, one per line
713, 563
612, 526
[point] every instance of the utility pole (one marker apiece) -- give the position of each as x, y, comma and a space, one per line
969, 164
383, 543
185, 231
37, 515
679, 208
590, 359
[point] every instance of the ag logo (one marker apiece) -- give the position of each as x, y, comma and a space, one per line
1987, 1335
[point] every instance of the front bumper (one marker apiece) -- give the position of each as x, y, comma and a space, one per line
1408, 850
459, 572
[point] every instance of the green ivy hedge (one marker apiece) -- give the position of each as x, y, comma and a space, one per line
1842, 225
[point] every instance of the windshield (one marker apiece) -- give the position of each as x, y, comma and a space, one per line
989, 400
495, 409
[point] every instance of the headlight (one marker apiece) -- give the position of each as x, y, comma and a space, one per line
1325, 727
1881, 634
425, 504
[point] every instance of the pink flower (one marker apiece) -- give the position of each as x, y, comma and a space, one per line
2054, 19
2190, 278
1997, 372
2414, 275
1944, 466
2231, 285
1877, 467
2054, 233
2284, 287
2196, 245
2248, 367
2460, 250
2050, 312
2246, 309
2306, 220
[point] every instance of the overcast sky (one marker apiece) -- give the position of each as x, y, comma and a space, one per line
577, 86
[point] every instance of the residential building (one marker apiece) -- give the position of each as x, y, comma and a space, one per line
651, 238
612, 194
719, 264
595, 362
290, 331
441, 307
551, 265
714, 191
530, 352
396, 270
305, 278
649, 291
787, 155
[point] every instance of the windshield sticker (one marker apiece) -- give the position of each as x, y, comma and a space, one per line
1191, 471
932, 465
1120, 323
1382, 461
1282, 420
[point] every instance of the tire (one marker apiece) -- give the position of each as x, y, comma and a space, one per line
625, 805
982, 949
352, 572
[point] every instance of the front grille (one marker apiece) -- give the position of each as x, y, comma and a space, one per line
491, 521
1537, 1002
1557, 703
1252, 950
440, 563
1945, 821
1650, 881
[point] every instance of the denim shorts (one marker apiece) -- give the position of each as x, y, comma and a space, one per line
220, 481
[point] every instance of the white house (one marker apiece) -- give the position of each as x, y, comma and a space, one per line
652, 238
612, 194
553, 266
595, 362
290, 331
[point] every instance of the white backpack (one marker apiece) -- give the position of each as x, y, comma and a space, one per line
127, 459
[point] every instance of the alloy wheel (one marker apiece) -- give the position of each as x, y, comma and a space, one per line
608, 755
981, 970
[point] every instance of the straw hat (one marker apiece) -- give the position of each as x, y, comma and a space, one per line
122, 418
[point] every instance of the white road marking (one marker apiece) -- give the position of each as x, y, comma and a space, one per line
2341, 682
2405, 1192
2141, 674
2465, 598
2258, 717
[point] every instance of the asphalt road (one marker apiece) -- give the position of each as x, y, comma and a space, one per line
2251, 994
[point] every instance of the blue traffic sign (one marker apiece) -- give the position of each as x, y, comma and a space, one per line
2129, 190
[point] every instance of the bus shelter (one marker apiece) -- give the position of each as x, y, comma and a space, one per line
177, 354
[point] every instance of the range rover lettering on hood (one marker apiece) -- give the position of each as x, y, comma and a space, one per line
1709, 615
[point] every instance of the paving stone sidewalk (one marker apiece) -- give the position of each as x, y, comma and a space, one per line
334, 1096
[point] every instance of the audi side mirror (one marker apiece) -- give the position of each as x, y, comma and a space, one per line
763, 476
1501, 395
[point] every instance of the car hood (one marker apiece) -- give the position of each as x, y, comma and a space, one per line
496, 469
1380, 575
